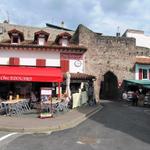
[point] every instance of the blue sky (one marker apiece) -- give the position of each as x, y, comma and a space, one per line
103, 16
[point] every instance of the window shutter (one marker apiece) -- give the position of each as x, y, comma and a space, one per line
40, 62
14, 61
64, 65
140, 74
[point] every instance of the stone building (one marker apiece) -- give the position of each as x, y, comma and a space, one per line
111, 59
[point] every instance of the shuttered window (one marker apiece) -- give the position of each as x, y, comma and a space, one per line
64, 65
40, 62
140, 74
14, 61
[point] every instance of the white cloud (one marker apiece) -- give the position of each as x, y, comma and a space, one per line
99, 15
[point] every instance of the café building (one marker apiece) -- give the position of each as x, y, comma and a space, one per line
29, 65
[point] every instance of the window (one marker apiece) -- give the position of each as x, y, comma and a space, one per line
41, 40
15, 39
64, 42
145, 74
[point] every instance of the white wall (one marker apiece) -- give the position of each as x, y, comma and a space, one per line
76, 66
28, 57
141, 39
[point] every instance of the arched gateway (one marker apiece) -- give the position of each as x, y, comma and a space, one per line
109, 86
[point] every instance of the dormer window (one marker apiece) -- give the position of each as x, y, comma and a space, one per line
41, 37
41, 40
63, 39
64, 42
15, 39
15, 36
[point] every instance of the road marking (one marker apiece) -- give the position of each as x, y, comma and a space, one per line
8, 135
79, 142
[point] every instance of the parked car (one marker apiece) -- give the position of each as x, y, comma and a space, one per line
147, 99
129, 95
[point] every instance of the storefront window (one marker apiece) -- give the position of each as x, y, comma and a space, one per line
144, 73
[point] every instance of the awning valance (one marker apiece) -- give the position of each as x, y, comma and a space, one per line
142, 83
30, 74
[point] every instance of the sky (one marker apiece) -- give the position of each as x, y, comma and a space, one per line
103, 16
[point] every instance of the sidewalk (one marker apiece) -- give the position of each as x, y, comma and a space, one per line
36, 125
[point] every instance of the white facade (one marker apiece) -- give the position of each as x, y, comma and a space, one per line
141, 39
143, 67
76, 66
28, 57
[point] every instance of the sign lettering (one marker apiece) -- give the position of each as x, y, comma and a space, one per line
15, 78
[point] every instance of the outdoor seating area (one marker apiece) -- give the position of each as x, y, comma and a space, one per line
20, 107
14, 107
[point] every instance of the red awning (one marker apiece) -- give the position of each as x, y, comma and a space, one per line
30, 74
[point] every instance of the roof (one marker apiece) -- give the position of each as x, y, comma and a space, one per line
133, 31
30, 30
41, 32
61, 35
30, 43
57, 27
142, 60
50, 46
81, 76
11, 32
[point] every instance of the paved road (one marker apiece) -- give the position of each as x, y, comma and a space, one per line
117, 127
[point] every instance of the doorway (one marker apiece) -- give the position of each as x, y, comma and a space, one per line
109, 87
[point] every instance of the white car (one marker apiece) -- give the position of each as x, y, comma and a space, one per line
130, 95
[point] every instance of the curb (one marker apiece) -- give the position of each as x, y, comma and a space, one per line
61, 127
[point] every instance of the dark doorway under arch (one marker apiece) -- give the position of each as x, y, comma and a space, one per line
109, 87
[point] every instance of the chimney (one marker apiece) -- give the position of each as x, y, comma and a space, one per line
62, 24
117, 34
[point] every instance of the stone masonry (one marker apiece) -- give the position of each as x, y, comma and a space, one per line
108, 53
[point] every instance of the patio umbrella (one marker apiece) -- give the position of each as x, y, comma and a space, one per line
68, 76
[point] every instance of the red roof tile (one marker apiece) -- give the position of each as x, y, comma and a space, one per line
142, 60
16, 31
81, 76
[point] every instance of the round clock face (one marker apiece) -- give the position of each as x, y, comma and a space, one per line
77, 63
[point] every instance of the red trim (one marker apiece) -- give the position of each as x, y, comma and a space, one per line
14, 61
41, 62
71, 56
30, 74
14, 31
41, 33
62, 35
140, 74
58, 89
64, 65
79, 50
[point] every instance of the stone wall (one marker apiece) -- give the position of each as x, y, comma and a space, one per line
107, 53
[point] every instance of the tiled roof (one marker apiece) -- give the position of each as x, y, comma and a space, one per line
49, 46
142, 60
81, 76
29, 31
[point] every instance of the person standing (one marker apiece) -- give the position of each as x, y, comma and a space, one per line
135, 98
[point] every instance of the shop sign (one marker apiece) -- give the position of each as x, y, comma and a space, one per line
15, 78
46, 93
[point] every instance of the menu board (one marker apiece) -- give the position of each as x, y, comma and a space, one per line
46, 93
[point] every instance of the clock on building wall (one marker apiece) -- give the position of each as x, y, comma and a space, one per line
77, 63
